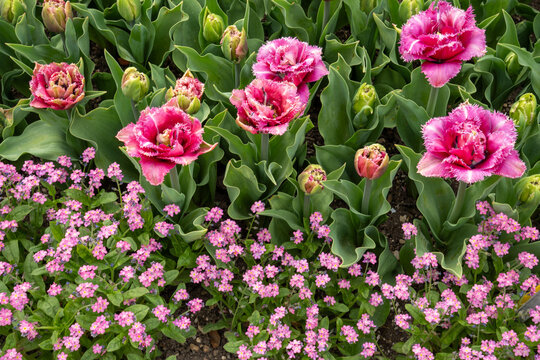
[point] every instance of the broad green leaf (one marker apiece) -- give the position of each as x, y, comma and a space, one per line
243, 189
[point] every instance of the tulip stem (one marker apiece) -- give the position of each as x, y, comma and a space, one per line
306, 205
365, 196
433, 94
265, 139
134, 109
63, 36
237, 70
326, 13
458, 204
175, 182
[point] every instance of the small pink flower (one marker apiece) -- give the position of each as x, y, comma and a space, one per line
162, 138
267, 106
58, 86
470, 144
289, 59
443, 36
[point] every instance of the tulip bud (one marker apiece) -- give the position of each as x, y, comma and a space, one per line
512, 64
134, 84
530, 189
129, 9
310, 180
364, 98
525, 107
408, 8
186, 94
371, 161
367, 5
212, 26
55, 14
234, 44
10, 10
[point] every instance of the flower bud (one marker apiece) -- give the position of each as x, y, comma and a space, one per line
310, 180
129, 9
367, 5
530, 189
364, 98
408, 8
234, 44
55, 14
371, 161
512, 64
10, 10
134, 84
212, 26
186, 94
524, 108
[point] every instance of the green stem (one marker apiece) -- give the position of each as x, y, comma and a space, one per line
433, 94
237, 70
134, 109
175, 182
326, 13
306, 205
265, 139
458, 204
365, 197
63, 36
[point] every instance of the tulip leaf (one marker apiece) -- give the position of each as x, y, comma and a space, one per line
296, 20
164, 27
332, 157
350, 240
509, 36
243, 189
526, 59
122, 103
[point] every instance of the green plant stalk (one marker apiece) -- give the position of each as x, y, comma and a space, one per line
306, 205
237, 70
365, 196
134, 109
175, 182
265, 139
326, 13
63, 36
458, 204
432, 101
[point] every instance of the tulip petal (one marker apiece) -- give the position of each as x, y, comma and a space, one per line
431, 165
439, 74
154, 170
512, 166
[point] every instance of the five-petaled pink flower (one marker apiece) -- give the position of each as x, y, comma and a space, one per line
470, 144
267, 106
58, 86
162, 138
289, 59
443, 36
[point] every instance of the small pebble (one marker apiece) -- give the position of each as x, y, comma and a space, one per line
206, 348
194, 347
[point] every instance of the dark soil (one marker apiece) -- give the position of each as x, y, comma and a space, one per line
388, 335
98, 57
344, 33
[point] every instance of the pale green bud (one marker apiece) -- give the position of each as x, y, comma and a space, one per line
10, 10
234, 44
365, 98
135, 84
408, 8
530, 189
524, 108
310, 180
129, 9
212, 26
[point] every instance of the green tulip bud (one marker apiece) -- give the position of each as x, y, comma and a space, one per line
212, 26
234, 44
310, 180
512, 64
408, 8
530, 189
10, 10
367, 5
55, 14
364, 99
134, 84
186, 94
129, 9
524, 108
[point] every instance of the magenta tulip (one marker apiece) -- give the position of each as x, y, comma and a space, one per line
56, 86
443, 36
470, 144
289, 59
162, 138
267, 106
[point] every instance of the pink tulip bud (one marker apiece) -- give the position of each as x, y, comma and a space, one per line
310, 180
371, 161
186, 94
55, 14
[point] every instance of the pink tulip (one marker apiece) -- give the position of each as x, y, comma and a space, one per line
162, 138
56, 86
443, 36
289, 59
470, 144
371, 161
267, 106
186, 94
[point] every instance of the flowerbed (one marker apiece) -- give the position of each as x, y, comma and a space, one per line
156, 151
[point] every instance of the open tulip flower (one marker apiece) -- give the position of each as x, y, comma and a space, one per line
470, 144
162, 138
443, 36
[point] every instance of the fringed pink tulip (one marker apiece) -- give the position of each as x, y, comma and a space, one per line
267, 106
56, 86
443, 36
470, 144
186, 94
289, 59
162, 138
